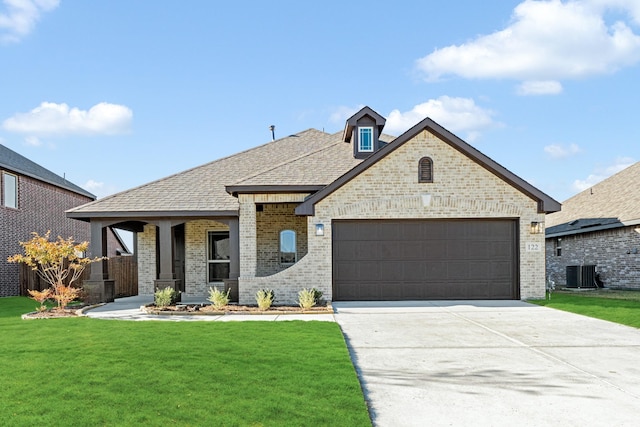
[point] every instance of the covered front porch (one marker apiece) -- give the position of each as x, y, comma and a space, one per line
187, 254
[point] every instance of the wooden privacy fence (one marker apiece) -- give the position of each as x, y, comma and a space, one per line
122, 269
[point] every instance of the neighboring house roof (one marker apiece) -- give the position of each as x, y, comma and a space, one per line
201, 191
546, 204
12, 161
614, 202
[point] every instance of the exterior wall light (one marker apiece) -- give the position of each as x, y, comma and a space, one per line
537, 227
319, 229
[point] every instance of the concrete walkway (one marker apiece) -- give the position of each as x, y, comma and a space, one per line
493, 363
129, 309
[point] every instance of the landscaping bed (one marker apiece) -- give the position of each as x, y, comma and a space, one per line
209, 309
76, 310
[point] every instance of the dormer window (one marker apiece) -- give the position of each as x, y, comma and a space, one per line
363, 131
365, 139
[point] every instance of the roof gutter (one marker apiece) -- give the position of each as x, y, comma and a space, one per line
576, 231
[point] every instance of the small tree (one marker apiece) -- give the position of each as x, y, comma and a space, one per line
60, 263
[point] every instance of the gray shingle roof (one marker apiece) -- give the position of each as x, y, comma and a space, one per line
615, 198
319, 167
12, 161
285, 161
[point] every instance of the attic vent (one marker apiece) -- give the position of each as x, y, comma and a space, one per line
425, 170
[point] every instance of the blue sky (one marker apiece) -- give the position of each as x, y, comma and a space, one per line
116, 93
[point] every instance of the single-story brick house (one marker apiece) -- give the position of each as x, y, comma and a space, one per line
359, 215
34, 199
595, 240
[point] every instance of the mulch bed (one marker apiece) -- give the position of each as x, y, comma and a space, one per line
52, 313
234, 309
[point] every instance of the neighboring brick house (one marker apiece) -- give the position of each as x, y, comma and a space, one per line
34, 199
595, 240
358, 215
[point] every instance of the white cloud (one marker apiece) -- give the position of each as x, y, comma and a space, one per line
602, 173
21, 16
34, 141
547, 87
547, 41
342, 113
100, 189
52, 119
561, 152
459, 115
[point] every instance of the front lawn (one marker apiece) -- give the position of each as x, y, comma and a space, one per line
616, 306
104, 372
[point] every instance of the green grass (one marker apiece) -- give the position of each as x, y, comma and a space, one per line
103, 373
616, 306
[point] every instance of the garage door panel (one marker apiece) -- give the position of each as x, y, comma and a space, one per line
414, 271
389, 250
369, 271
425, 259
390, 271
412, 250
391, 290
436, 271
342, 271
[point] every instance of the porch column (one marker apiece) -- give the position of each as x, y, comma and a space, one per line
248, 236
166, 278
99, 270
231, 284
234, 248
99, 288
166, 264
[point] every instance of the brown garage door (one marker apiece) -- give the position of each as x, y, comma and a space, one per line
425, 259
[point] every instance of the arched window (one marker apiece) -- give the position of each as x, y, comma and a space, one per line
425, 170
288, 247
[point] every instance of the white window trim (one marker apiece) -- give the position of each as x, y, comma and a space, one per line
4, 188
360, 129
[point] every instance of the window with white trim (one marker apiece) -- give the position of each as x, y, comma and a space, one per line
218, 256
365, 139
9, 190
288, 254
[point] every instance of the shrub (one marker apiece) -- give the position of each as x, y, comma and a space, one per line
307, 298
64, 295
41, 297
218, 298
264, 298
317, 296
165, 297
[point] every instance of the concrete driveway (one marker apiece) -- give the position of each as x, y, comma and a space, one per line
494, 363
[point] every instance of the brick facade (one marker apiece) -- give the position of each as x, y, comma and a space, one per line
196, 280
387, 190
41, 207
615, 253
270, 221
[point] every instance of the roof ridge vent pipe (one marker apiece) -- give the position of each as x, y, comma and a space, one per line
272, 128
